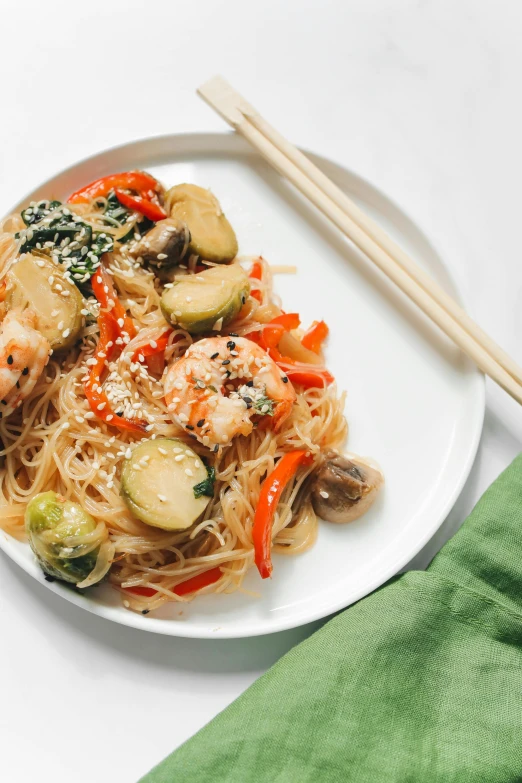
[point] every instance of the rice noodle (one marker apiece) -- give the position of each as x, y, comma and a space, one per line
50, 444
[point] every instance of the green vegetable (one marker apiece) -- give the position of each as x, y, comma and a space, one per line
58, 317
37, 210
264, 405
156, 487
206, 487
211, 235
67, 238
211, 299
115, 210
63, 536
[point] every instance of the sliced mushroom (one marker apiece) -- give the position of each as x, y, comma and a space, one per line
344, 488
165, 245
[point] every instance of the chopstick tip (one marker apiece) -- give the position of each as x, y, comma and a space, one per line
222, 97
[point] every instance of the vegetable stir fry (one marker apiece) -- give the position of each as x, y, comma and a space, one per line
170, 425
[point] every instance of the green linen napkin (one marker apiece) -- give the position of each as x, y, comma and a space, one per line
420, 681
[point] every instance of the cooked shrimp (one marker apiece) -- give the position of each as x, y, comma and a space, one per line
221, 384
24, 352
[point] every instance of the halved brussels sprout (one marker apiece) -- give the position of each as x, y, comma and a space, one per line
211, 298
211, 235
37, 282
65, 539
158, 481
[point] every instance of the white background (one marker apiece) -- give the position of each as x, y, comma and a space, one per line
420, 97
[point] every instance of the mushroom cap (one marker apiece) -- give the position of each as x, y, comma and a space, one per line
344, 487
169, 239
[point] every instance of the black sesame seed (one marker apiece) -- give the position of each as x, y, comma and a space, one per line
243, 300
25, 371
228, 373
247, 399
145, 611
231, 344
227, 361
200, 423
49, 578
18, 384
190, 427
233, 334
216, 448
120, 414
9, 359
284, 379
192, 436
249, 383
3, 402
215, 355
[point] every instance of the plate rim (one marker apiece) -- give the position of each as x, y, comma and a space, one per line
178, 628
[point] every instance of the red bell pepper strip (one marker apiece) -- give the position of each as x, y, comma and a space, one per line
154, 357
270, 336
106, 295
305, 374
96, 397
256, 273
148, 350
270, 494
315, 336
142, 205
184, 588
287, 320
132, 180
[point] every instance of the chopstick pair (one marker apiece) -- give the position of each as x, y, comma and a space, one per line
367, 235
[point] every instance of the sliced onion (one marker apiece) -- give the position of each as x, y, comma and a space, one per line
290, 346
103, 563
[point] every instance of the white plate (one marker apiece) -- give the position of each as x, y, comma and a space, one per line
414, 403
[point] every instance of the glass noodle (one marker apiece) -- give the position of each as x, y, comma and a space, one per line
54, 442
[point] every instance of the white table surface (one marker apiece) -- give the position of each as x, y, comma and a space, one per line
423, 99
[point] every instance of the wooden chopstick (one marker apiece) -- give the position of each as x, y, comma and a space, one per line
366, 235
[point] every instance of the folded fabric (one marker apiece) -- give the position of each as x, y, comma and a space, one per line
420, 681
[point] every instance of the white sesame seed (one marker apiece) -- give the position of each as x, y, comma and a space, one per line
110, 417
162, 451
89, 415
101, 406
96, 465
188, 472
162, 498
179, 458
323, 493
